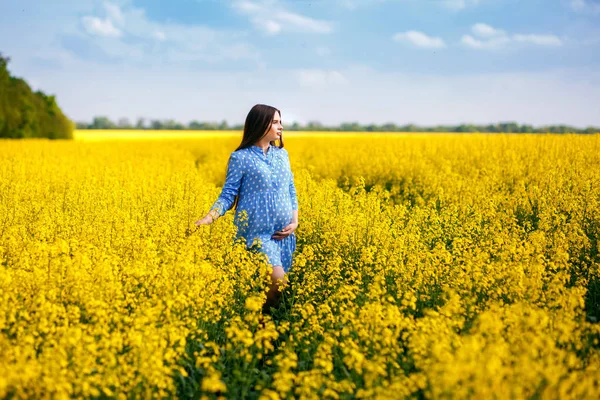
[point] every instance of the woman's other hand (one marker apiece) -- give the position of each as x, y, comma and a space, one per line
285, 232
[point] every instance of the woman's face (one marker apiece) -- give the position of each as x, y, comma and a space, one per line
276, 129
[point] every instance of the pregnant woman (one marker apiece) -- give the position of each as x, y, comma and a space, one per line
260, 184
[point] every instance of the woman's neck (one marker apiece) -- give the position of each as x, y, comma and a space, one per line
264, 146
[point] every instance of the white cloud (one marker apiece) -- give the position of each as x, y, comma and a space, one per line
273, 19
577, 4
114, 13
420, 39
486, 31
168, 42
101, 27
160, 35
317, 77
354, 4
540, 40
460, 4
271, 27
456, 5
483, 37
304, 23
489, 44
490, 38
586, 6
248, 7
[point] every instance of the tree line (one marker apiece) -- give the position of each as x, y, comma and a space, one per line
104, 122
28, 114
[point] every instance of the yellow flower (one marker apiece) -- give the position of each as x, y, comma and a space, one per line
212, 382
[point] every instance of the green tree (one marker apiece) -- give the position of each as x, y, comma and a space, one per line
28, 114
102, 123
124, 123
172, 125
156, 124
388, 127
194, 125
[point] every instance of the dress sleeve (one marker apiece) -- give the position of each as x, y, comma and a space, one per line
233, 182
293, 196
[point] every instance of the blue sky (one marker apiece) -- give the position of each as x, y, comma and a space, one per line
372, 61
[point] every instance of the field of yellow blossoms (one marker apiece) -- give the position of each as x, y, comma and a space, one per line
428, 266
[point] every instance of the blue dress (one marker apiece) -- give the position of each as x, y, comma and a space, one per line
267, 199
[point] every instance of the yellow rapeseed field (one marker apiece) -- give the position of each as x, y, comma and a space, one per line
428, 266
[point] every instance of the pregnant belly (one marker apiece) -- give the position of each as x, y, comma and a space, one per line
264, 216
283, 217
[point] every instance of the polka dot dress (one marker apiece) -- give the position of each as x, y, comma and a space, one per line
267, 199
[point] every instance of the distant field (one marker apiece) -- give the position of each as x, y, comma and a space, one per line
99, 135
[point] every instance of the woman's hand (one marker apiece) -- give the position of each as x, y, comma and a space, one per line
207, 220
285, 232
204, 221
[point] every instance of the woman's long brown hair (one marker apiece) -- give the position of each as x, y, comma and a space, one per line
258, 122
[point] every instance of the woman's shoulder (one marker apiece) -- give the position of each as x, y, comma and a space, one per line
238, 155
241, 151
